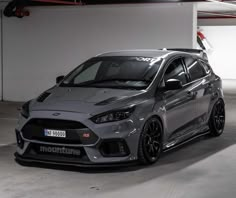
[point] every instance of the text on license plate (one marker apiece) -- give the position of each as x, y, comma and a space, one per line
54, 133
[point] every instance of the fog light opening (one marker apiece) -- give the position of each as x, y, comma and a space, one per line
114, 148
19, 140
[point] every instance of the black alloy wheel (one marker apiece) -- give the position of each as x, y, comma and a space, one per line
217, 120
150, 145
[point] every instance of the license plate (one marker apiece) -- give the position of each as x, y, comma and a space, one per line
54, 133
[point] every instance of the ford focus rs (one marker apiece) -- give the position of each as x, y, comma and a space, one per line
122, 107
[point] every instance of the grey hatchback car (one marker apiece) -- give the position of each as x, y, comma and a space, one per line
122, 107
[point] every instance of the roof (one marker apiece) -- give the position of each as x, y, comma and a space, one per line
145, 53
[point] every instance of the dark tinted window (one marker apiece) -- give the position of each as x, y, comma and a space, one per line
176, 71
195, 69
206, 67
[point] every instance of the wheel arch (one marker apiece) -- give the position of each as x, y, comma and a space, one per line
213, 104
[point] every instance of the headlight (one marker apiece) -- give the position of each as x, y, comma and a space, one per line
113, 116
25, 110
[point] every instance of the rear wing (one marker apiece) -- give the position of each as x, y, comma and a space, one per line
197, 52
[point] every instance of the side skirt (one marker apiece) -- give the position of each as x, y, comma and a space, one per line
186, 141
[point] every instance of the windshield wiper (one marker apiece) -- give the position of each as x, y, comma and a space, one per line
92, 83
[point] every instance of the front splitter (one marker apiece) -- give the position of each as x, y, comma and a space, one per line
21, 159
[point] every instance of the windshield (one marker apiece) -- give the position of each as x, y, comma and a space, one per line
114, 72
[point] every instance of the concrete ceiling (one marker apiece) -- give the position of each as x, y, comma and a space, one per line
217, 9
206, 9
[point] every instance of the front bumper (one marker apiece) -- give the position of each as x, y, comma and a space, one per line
124, 133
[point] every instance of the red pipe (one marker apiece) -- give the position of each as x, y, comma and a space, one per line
58, 2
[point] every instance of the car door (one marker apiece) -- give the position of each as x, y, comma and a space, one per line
179, 104
201, 85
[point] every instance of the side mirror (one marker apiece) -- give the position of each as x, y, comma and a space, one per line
59, 79
173, 84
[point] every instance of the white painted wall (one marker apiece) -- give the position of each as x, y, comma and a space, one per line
52, 41
223, 42
0, 57
217, 22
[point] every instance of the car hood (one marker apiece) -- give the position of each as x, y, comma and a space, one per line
83, 99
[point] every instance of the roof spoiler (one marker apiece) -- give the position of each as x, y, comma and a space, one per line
198, 52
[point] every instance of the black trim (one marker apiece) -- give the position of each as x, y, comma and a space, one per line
81, 164
108, 143
43, 97
20, 142
108, 101
182, 143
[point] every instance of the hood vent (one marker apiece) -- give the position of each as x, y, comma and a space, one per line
43, 97
109, 100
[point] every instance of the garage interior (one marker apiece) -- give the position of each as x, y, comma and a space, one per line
43, 39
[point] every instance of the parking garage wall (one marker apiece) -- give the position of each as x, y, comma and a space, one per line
1, 64
54, 40
222, 55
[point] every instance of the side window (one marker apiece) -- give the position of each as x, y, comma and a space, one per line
206, 67
176, 71
195, 69
88, 74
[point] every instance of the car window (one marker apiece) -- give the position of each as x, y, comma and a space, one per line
176, 71
88, 74
115, 72
195, 69
205, 66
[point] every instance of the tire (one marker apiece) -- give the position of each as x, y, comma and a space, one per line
217, 119
150, 143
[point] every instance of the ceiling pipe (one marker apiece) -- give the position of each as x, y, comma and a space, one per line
15, 8
215, 15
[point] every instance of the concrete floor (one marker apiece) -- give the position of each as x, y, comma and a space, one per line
203, 169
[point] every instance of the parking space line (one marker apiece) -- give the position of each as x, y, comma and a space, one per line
9, 144
1, 145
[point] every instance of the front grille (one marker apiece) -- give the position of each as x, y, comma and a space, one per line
56, 124
35, 130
